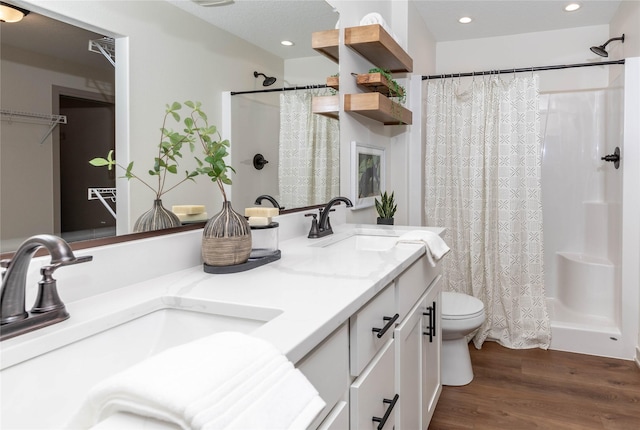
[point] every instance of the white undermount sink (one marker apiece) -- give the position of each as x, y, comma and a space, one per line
47, 389
368, 240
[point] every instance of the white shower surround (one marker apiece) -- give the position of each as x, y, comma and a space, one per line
584, 279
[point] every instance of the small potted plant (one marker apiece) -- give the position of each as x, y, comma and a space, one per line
165, 163
386, 208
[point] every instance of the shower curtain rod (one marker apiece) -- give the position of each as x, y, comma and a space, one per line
521, 70
273, 90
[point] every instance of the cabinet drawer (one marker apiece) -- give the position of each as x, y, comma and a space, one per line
372, 394
366, 328
327, 368
413, 283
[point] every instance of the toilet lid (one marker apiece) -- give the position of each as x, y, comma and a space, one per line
460, 306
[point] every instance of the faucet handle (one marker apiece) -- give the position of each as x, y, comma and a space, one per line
314, 232
76, 260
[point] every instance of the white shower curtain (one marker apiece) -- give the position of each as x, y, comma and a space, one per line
483, 184
309, 166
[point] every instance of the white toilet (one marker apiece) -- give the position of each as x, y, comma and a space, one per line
461, 315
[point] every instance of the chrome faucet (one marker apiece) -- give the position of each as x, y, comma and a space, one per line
271, 199
324, 225
48, 308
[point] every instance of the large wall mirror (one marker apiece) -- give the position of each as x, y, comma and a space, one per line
47, 68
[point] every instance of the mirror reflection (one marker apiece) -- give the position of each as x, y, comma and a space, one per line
41, 66
302, 148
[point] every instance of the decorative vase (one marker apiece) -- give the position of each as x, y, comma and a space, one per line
157, 218
385, 221
226, 238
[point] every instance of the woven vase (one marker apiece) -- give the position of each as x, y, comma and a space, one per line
226, 238
157, 218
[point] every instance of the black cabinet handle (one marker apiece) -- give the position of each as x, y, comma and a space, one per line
382, 421
431, 313
383, 330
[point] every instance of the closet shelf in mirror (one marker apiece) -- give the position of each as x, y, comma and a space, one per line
376, 45
326, 105
379, 83
326, 43
378, 107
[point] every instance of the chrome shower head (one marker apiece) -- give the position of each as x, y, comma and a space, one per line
601, 51
267, 80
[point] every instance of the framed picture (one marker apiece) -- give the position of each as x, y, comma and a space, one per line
367, 174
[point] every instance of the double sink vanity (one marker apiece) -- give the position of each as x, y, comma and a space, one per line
357, 312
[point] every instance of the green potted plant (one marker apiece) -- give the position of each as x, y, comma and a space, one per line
226, 238
165, 163
397, 92
386, 208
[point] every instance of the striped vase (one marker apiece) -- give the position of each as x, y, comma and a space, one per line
226, 238
156, 218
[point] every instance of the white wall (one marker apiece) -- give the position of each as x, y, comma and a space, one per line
545, 48
27, 80
174, 56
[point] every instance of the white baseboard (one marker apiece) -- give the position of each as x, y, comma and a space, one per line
637, 359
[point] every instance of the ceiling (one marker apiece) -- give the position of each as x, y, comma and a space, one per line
267, 22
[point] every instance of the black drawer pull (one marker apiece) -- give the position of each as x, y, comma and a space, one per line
431, 328
383, 330
382, 421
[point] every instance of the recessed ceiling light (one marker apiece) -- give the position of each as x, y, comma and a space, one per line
465, 20
572, 7
287, 43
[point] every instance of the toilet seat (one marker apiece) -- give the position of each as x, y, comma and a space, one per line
457, 306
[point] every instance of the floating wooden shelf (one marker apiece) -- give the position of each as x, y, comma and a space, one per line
378, 107
326, 105
326, 43
377, 82
333, 82
376, 45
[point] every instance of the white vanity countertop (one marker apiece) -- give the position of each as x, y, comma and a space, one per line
305, 295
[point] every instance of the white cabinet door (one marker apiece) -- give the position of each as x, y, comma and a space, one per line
372, 394
408, 339
431, 345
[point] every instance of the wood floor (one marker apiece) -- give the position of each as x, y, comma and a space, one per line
537, 389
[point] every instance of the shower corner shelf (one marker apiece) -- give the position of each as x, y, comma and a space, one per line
326, 105
376, 45
326, 42
378, 107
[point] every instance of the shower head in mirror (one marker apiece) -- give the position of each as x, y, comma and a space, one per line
601, 51
267, 80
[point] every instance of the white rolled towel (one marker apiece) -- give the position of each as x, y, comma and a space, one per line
436, 247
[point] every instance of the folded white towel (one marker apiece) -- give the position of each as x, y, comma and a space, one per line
435, 246
211, 383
